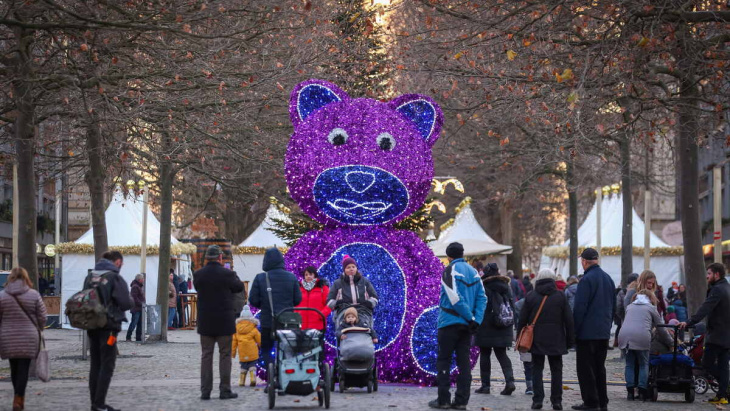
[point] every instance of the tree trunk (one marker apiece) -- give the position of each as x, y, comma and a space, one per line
25, 155
95, 178
627, 243
687, 152
167, 175
573, 226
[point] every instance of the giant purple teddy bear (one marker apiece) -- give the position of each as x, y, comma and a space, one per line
358, 166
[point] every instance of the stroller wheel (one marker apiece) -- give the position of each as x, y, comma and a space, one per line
320, 397
375, 378
689, 395
327, 385
701, 385
654, 394
370, 387
342, 382
272, 385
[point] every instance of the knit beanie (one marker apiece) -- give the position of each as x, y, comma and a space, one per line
545, 273
347, 261
246, 313
353, 311
491, 270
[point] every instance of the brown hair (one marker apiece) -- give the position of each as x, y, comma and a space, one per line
19, 273
644, 277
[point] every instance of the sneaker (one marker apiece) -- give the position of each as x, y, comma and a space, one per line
529, 392
227, 395
205, 396
482, 390
455, 406
436, 404
717, 400
536, 406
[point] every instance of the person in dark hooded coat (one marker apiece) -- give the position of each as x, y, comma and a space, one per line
491, 337
553, 335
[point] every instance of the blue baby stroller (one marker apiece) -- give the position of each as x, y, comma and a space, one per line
298, 360
355, 365
671, 372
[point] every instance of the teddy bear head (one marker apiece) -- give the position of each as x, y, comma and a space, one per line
358, 161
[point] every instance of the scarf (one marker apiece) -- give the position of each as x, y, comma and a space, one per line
308, 285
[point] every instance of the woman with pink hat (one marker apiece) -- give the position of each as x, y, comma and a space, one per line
352, 288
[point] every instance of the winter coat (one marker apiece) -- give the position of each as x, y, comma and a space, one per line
341, 294
121, 300
570, 295
641, 318
717, 310
680, 309
462, 297
527, 284
516, 287
314, 298
595, 303
171, 295
620, 306
629, 297
18, 335
239, 300
497, 290
553, 333
246, 340
216, 285
137, 294
285, 291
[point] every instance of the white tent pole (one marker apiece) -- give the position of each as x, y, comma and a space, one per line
647, 228
143, 243
599, 200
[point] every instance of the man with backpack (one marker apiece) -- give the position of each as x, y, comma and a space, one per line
114, 293
216, 320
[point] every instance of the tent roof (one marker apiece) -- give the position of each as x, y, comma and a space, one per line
470, 234
124, 223
611, 226
261, 237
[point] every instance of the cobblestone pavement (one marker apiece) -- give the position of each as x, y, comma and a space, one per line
166, 377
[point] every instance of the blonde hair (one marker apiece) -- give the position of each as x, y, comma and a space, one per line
649, 294
643, 278
19, 273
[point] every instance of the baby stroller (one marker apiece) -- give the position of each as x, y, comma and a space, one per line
355, 364
671, 372
299, 359
696, 349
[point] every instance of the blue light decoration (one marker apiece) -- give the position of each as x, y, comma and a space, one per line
424, 343
358, 166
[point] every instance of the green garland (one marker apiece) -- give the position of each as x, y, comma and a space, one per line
564, 252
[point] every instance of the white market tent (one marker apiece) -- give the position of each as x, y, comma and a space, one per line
124, 229
665, 262
466, 230
248, 260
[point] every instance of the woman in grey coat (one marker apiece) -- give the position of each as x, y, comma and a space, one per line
635, 339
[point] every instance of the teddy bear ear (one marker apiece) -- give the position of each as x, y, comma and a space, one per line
310, 96
423, 112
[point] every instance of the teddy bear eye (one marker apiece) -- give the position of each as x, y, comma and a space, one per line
386, 142
337, 137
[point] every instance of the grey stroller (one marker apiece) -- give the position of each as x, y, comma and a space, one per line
355, 365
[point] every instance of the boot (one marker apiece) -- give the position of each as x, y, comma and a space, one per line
242, 379
630, 394
509, 388
252, 372
18, 403
643, 395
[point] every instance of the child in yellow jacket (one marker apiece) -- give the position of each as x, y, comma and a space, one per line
247, 341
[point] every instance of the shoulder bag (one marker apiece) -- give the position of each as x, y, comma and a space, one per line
41, 361
524, 340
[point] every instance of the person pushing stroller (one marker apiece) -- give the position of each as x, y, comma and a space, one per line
353, 289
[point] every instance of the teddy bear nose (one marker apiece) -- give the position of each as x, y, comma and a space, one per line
359, 181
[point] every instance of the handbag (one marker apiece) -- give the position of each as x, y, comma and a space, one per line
524, 340
42, 370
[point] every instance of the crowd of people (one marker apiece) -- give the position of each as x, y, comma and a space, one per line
478, 307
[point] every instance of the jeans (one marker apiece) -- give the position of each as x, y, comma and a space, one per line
136, 323
590, 358
556, 378
170, 316
528, 374
103, 360
485, 364
19, 369
207, 344
453, 339
637, 362
715, 361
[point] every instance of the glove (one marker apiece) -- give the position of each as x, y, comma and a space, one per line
368, 305
473, 326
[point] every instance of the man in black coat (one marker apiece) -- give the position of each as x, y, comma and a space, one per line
216, 320
285, 293
717, 341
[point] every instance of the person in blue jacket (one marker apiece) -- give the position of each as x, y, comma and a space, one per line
461, 310
595, 304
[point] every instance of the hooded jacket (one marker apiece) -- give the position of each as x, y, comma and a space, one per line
595, 304
462, 297
314, 298
636, 330
341, 294
18, 335
554, 332
216, 285
284, 288
246, 340
717, 310
497, 290
137, 294
570, 292
121, 300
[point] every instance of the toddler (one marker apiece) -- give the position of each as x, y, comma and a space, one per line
246, 342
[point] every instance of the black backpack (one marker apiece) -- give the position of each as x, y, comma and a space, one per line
503, 316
